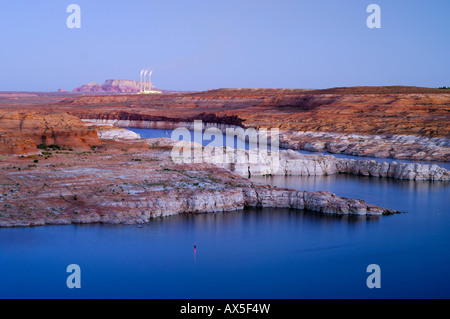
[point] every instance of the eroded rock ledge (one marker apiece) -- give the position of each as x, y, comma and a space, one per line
420, 148
131, 182
144, 207
293, 163
288, 162
111, 132
412, 147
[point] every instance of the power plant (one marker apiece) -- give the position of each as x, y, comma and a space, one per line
145, 87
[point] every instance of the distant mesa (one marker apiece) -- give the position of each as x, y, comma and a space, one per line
119, 86
111, 86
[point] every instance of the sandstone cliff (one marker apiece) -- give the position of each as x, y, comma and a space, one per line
22, 132
395, 122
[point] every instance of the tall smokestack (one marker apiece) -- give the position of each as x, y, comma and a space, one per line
149, 80
145, 81
140, 81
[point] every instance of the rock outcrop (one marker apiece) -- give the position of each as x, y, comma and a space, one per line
16, 145
114, 86
21, 132
110, 132
146, 206
293, 163
289, 162
324, 202
131, 182
117, 134
412, 147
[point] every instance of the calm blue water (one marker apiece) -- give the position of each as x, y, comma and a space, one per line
267, 253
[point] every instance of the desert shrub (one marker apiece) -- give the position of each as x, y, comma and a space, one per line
42, 146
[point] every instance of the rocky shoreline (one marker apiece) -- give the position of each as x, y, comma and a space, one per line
131, 182
144, 208
296, 164
293, 163
111, 132
249, 163
406, 147
411, 147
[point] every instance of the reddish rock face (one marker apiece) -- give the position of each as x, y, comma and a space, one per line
15, 145
371, 111
363, 110
21, 132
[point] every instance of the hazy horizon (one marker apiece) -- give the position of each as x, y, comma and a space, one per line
201, 45
218, 88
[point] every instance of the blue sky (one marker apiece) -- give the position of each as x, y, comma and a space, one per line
202, 44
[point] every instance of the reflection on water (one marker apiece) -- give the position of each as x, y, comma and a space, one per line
239, 254
253, 253
352, 183
255, 216
391, 193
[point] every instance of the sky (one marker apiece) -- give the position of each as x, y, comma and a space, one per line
203, 44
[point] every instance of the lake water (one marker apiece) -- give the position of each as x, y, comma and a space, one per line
254, 253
